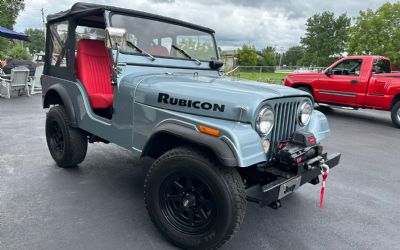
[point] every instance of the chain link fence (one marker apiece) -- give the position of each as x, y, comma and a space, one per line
269, 74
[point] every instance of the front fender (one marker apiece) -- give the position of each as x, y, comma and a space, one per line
239, 144
188, 133
319, 126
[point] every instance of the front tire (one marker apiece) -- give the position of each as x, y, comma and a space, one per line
306, 89
395, 114
67, 145
193, 201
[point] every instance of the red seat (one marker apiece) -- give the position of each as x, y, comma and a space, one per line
93, 70
157, 51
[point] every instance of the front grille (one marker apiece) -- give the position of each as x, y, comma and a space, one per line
285, 111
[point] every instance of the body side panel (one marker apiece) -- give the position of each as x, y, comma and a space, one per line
118, 130
381, 91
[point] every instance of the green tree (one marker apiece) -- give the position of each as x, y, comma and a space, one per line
325, 38
247, 56
293, 56
19, 52
267, 57
377, 32
9, 10
36, 40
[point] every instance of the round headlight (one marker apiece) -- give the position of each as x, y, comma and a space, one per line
305, 111
265, 121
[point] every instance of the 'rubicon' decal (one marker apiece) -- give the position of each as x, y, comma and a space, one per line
165, 98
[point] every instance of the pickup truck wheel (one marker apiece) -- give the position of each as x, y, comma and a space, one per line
396, 114
193, 201
67, 145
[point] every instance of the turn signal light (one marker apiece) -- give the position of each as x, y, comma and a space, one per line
266, 144
209, 131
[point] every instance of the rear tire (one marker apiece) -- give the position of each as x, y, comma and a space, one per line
395, 114
67, 145
193, 201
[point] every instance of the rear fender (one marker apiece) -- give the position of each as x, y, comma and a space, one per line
396, 99
57, 94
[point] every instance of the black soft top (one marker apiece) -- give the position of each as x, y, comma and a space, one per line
84, 9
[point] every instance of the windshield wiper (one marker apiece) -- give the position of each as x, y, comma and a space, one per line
186, 54
130, 44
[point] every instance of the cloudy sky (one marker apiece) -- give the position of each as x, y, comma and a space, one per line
261, 23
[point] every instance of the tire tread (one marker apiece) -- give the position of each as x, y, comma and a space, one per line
77, 151
230, 175
393, 114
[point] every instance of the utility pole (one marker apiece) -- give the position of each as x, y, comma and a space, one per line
280, 57
43, 20
44, 24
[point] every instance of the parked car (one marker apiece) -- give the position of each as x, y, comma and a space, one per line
154, 86
354, 81
39, 59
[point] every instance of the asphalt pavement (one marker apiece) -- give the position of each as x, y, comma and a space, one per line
100, 204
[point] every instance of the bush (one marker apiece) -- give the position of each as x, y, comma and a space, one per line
19, 52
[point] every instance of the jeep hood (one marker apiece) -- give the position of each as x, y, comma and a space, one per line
219, 97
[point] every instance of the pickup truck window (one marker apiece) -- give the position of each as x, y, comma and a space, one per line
381, 66
349, 67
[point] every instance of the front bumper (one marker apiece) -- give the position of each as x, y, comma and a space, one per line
287, 182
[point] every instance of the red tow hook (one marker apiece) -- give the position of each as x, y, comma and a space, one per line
325, 172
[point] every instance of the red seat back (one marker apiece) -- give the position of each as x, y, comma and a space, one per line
93, 66
157, 51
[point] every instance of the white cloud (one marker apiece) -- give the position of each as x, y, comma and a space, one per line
257, 22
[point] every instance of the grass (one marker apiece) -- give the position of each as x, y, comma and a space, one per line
264, 76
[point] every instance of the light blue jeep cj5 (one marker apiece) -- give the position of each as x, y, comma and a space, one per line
154, 86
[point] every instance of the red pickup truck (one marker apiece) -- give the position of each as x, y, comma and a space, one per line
354, 81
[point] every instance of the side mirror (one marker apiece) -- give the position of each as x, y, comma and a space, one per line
328, 72
216, 64
115, 38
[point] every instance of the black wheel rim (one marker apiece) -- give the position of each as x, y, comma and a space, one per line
188, 203
56, 138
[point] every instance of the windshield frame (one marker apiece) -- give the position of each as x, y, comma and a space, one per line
111, 13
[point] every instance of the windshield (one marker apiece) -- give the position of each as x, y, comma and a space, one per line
159, 38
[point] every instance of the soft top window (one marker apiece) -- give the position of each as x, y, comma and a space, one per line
58, 36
